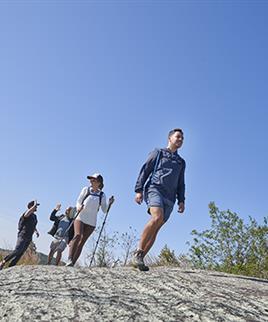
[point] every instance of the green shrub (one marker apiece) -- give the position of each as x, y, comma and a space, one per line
30, 257
167, 257
230, 245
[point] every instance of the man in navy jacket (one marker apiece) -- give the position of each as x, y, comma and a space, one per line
26, 229
160, 183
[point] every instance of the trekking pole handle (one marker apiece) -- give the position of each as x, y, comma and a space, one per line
111, 201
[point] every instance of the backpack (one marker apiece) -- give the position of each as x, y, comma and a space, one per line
92, 194
54, 228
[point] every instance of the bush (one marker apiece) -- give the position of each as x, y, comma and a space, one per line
167, 257
104, 255
128, 242
30, 257
230, 245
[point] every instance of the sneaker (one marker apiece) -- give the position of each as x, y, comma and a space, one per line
138, 262
69, 263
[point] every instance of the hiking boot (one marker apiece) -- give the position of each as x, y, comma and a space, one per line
138, 262
69, 263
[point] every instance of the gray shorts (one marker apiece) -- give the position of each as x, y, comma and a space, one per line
58, 245
155, 199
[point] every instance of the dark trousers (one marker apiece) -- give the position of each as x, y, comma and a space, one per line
21, 246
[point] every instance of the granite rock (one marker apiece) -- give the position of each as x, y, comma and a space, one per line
50, 293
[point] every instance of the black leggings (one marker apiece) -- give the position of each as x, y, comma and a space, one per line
21, 246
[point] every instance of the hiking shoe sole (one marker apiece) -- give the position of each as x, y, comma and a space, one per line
143, 268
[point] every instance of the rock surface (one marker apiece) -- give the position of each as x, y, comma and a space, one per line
49, 293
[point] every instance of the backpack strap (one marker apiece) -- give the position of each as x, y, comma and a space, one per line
156, 164
86, 195
156, 161
100, 196
89, 193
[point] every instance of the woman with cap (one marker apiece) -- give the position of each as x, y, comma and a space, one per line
88, 203
26, 229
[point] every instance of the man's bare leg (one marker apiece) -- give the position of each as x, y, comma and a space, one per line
50, 256
151, 229
58, 257
150, 243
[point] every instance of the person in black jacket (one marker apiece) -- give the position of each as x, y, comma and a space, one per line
26, 228
61, 231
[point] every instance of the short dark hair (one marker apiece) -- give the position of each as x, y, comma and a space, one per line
173, 131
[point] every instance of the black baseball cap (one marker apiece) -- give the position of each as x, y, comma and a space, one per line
31, 203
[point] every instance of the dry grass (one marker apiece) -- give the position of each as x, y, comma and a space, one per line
30, 257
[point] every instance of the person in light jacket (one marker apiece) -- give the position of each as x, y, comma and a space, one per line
90, 200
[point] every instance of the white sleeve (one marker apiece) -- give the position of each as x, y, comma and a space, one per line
104, 205
81, 197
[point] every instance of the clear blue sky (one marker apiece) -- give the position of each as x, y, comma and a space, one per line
94, 86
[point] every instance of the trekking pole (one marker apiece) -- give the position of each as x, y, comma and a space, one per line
71, 224
104, 221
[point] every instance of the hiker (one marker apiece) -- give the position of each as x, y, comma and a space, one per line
26, 229
88, 203
160, 183
62, 235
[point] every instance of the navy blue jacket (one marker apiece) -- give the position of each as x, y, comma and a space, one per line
26, 226
163, 171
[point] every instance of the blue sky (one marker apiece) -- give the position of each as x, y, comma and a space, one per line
94, 86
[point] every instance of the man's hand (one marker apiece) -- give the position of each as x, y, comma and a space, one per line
181, 207
139, 197
58, 207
